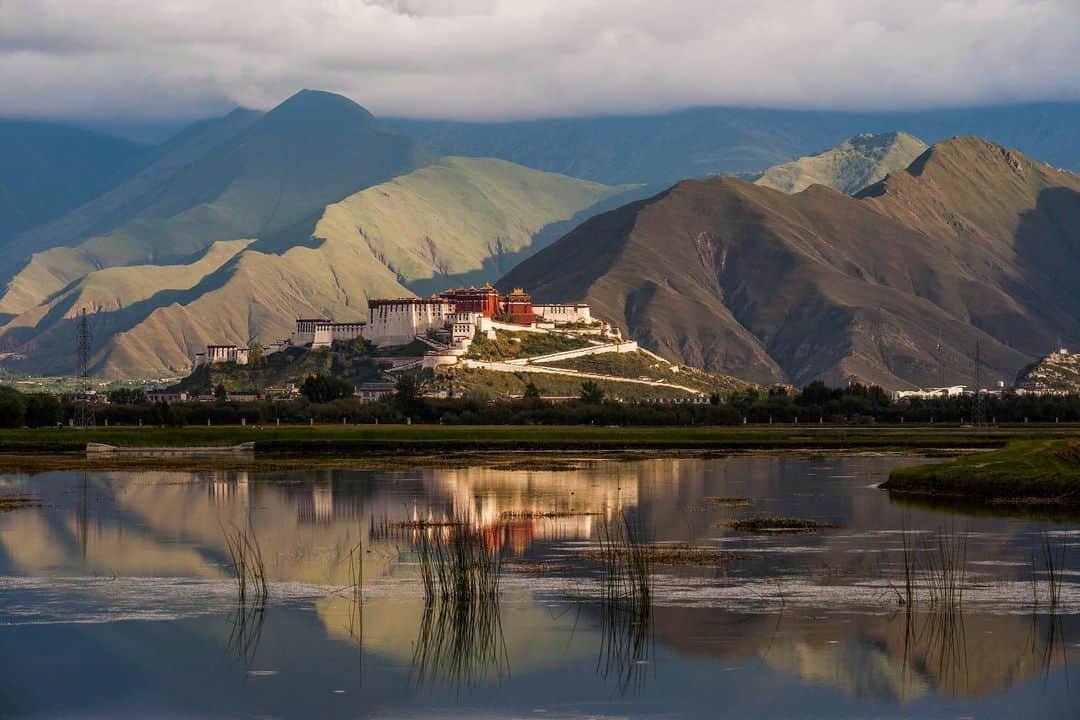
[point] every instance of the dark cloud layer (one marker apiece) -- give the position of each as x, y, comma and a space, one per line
530, 58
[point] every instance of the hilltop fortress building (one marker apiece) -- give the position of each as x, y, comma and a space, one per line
461, 312
446, 323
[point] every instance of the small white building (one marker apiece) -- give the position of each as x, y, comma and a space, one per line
564, 314
463, 326
327, 333
372, 392
927, 393
216, 354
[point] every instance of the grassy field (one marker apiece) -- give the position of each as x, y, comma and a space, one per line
1026, 470
385, 447
638, 365
400, 438
509, 345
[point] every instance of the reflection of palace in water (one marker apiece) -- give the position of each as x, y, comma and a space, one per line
527, 505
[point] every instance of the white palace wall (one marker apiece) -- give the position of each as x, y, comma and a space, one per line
398, 322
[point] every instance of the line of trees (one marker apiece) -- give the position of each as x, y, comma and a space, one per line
327, 401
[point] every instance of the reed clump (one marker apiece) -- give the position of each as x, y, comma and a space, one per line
16, 501
1052, 564
460, 642
457, 563
934, 574
543, 514
626, 603
423, 524
356, 592
775, 524
728, 501
249, 570
626, 575
685, 554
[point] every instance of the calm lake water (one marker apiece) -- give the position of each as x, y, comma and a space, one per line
116, 598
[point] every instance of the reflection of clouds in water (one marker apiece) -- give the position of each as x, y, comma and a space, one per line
80, 600
851, 666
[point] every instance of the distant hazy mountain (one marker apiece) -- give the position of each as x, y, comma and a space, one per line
972, 244
710, 141
280, 170
849, 167
112, 209
47, 170
454, 221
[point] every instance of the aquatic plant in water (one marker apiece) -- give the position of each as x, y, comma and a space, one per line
457, 563
460, 637
249, 570
460, 642
625, 603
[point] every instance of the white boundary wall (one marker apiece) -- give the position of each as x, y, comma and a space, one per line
623, 347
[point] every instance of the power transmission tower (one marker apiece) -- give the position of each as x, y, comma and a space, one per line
84, 414
978, 415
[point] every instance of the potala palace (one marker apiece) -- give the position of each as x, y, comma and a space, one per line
445, 323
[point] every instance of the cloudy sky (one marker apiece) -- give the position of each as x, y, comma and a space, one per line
489, 59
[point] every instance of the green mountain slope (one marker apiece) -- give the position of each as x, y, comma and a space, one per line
459, 220
849, 167
440, 223
47, 170
973, 244
313, 149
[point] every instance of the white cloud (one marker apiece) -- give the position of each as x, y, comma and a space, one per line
527, 58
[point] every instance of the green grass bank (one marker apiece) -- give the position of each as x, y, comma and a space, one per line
425, 438
1027, 470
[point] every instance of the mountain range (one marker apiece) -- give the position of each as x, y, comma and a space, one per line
237, 224
308, 209
972, 246
699, 142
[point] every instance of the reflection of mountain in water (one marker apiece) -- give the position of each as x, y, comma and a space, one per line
171, 524
858, 669
891, 657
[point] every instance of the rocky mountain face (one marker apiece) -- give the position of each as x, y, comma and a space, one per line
973, 244
849, 167
1057, 372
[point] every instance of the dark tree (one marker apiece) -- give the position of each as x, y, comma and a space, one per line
409, 393
532, 393
323, 388
591, 393
127, 396
42, 410
12, 408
